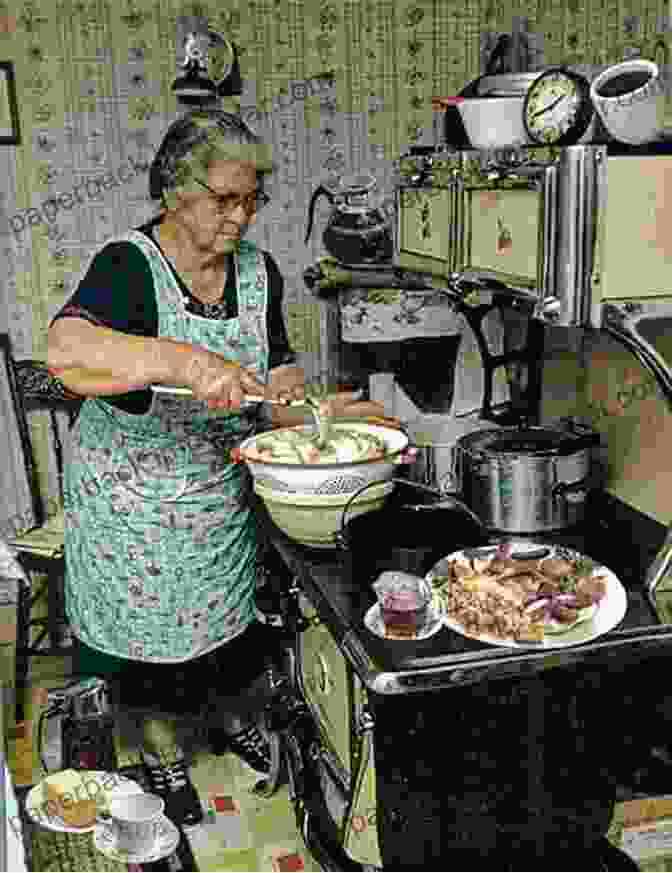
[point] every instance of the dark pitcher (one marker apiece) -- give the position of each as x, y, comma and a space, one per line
358, 230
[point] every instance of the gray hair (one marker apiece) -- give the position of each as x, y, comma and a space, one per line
193, 143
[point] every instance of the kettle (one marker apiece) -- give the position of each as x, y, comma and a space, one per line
358, 230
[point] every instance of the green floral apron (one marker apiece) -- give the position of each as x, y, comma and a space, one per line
160, 539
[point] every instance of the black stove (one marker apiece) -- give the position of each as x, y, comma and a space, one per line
614, 534
485, 752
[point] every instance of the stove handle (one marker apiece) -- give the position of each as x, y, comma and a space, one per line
573, 492
324, 683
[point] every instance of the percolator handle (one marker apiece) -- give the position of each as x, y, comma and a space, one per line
319, 191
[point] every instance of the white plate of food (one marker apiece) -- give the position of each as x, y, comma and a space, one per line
70, 800
528, 595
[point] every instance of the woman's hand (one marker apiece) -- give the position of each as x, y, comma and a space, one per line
222, 383
347, 404
286, 382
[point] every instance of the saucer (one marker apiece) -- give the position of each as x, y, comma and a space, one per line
167, 840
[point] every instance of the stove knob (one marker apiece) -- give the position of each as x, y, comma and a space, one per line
397, 819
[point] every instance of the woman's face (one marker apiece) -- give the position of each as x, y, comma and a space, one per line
216, 222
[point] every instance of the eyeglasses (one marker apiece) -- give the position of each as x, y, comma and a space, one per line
227, 203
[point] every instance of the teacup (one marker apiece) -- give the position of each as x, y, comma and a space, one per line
630, 100
135, 820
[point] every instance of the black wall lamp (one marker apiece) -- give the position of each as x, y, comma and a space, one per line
209, 64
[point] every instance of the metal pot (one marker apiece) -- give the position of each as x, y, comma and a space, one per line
525, 480
433, 438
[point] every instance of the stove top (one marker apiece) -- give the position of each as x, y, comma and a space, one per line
614, 534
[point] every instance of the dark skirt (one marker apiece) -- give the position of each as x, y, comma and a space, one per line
184, 688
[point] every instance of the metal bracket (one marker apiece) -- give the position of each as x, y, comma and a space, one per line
660, 569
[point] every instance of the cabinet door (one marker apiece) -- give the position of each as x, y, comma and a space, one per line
326, 685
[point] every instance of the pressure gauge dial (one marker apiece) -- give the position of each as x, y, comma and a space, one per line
558, 108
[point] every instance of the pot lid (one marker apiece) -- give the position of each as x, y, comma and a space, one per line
525, 441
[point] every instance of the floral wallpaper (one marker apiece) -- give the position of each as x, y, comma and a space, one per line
338, 86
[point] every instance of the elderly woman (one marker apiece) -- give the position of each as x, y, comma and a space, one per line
161, 541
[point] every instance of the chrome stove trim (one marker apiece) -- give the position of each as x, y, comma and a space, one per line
546, 279
573, 253
523, 663
459, 233
456, 186
593, 309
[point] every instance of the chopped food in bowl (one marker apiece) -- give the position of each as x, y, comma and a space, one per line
355, 454
343, 446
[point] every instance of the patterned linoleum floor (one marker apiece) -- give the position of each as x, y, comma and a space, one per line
241, 830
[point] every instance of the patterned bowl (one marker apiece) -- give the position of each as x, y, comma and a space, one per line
330, 479
315, 519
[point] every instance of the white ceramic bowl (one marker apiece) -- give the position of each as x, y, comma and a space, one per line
630, 100
315, 519
494, 122
329, 479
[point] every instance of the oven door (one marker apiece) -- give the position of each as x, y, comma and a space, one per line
338, 703
506, 214
483, 213
325, 683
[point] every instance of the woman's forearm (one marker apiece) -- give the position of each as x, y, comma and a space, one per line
92, 360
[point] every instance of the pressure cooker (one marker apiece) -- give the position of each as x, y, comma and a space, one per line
527, 480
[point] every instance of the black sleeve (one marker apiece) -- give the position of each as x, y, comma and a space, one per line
280, 351
117, 291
